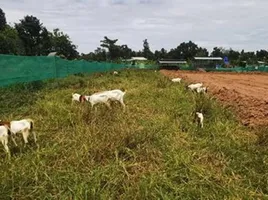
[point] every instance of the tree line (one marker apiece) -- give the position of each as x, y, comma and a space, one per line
31, 38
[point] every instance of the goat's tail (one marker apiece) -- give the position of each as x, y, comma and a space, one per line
31, 123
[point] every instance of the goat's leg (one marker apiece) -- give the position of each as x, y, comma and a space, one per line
107, 103
122, 103
34, 135
13, 139
202, 125
25, 135
4, 142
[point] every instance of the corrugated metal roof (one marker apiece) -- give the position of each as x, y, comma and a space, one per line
138, 58
207, 58
52, 54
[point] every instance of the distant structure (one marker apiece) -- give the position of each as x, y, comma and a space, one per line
137, 61
207, 62
52, 54
55, 54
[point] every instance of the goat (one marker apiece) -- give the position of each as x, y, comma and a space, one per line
201, 118
176, 80
105, 96
194, 86
4, 133
78, 97
24, 126
115, 73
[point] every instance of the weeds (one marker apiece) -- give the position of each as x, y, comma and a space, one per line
152, 151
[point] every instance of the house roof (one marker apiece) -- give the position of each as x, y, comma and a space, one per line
52, 54
138, 58
207, 58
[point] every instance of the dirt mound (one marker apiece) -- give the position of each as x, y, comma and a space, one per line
247, 94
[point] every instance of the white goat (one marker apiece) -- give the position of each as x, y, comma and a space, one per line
200, 118
105, 96
4, 133
24, 126
195, 86
176, 80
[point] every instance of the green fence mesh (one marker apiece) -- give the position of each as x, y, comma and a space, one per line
242, 69
17, 69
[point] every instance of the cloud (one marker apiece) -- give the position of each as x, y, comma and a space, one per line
238, 24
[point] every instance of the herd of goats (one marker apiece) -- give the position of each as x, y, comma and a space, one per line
26, 126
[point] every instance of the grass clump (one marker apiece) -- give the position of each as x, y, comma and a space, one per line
152, 151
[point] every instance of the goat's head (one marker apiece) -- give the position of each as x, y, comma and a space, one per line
82, 98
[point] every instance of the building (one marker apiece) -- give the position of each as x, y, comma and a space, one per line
207, 62
55, 54
261, 63
136, 61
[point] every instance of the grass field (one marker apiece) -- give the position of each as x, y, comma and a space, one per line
152, 151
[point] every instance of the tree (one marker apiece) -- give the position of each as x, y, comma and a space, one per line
30, 31
233, 56
162, 54
262, 55
46, 42
217, 52
62, 44
10, 42
186, 51
146, 52
202, 52
3, 21
114, 50
125, 52
249, 57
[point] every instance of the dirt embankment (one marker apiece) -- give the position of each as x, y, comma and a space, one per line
247, 94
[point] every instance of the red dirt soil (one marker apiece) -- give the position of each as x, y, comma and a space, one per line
247, 93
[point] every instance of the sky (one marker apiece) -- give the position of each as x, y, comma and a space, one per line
239, 24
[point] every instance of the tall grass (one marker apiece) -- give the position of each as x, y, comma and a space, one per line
154, 150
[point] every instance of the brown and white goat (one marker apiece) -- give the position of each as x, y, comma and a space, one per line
24, 126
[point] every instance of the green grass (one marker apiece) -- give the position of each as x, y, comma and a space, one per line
152, 151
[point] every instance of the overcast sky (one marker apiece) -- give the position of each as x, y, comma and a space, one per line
240, 24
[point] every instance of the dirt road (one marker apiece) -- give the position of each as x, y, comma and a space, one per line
247, 94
